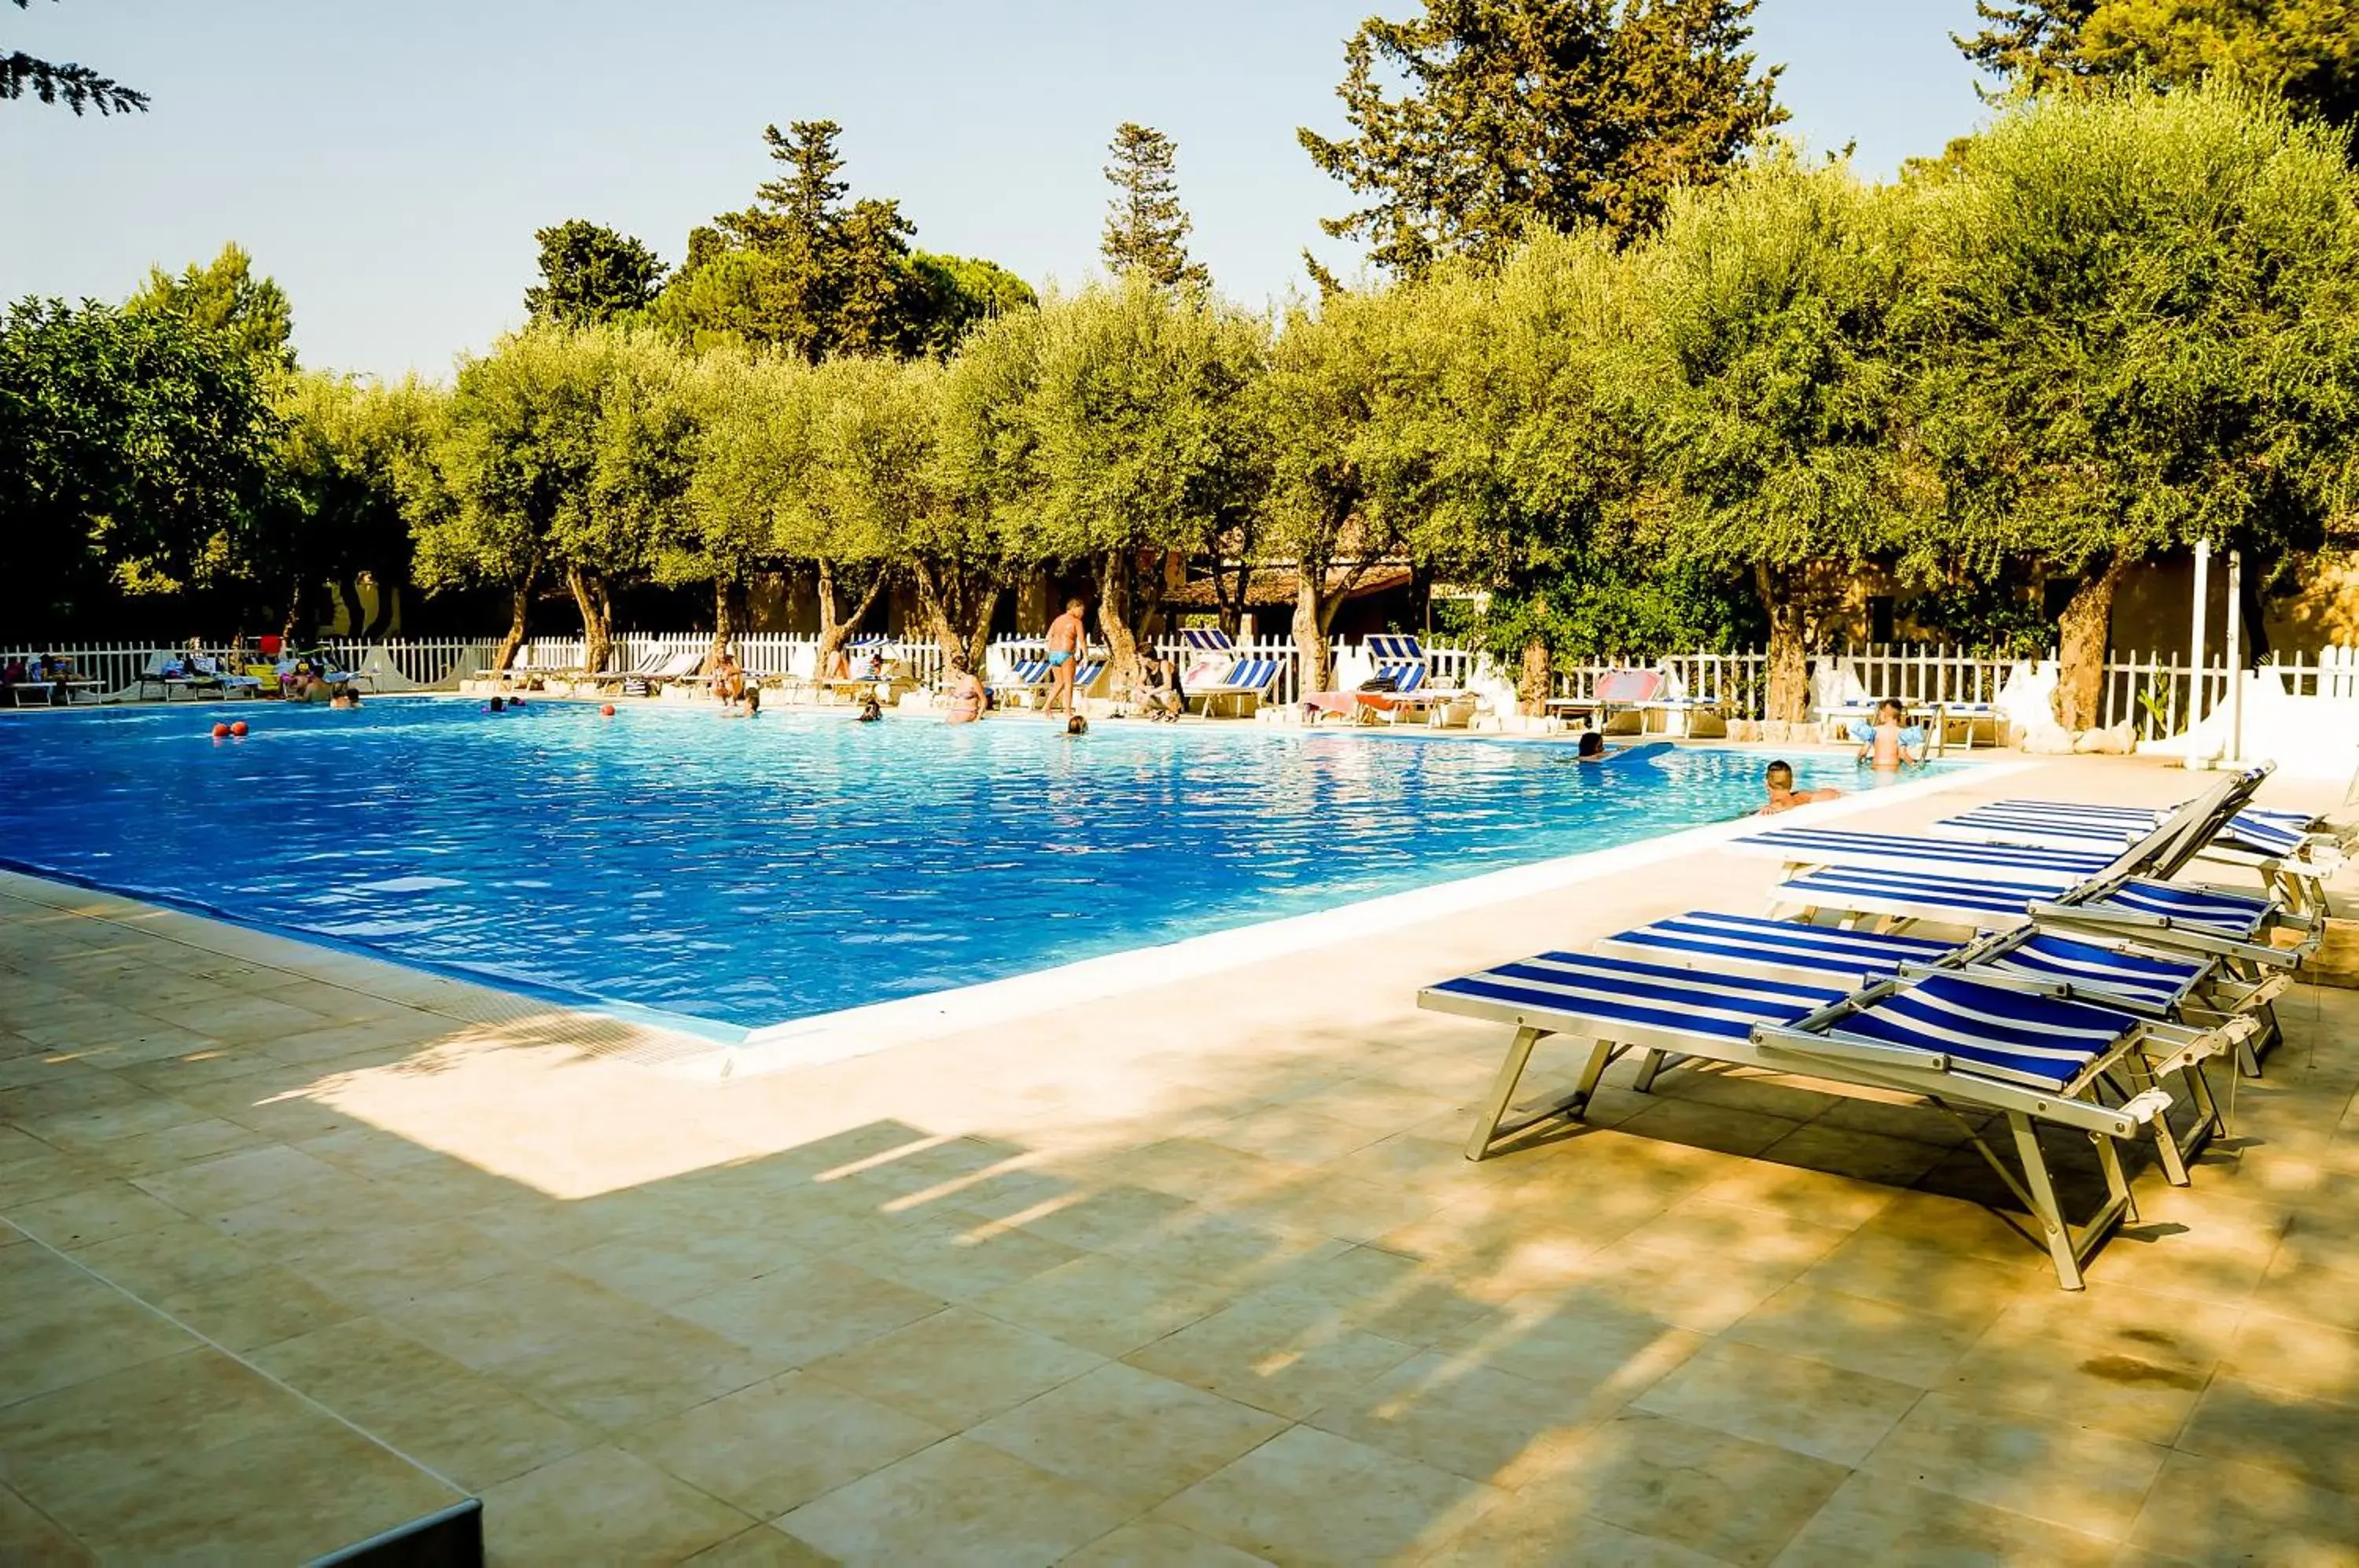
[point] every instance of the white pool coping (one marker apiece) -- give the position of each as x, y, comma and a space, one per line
865, 1031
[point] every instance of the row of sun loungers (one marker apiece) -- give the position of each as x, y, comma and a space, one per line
2088, 994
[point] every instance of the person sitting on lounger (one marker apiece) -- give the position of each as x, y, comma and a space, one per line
1162, 694
1784, 797
964, 693
1887, 745
876, 665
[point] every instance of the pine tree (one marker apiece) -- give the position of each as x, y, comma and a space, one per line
1147, 228
590, 273
80, 86
1551, 112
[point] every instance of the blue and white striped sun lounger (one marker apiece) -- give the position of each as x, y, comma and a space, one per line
1248, 677
1762, 948
1964, 1045
1965, 859
1024, 677
1206, 639
2278, 845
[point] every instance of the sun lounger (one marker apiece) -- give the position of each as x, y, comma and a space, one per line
1965, 859
2278, 845
2189, 988
651, 666
1965, 1046
1246, 681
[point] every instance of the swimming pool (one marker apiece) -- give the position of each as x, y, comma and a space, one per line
751, 873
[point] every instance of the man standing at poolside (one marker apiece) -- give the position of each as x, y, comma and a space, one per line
1066, 640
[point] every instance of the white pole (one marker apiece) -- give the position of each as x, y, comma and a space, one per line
2235, 656
2201, 623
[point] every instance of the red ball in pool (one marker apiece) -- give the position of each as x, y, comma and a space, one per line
221, 732
238, 728
607, 711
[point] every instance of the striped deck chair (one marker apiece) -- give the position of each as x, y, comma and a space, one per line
1026, 678
1206, 639
2280, 847
1965, 1046
1247, 678
2199, 1010
1958, 858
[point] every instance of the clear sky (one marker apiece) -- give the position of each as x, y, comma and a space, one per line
388, 161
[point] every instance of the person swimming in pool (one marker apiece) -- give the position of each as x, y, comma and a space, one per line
1066, 638
870, 710
1591, 748
1778, 776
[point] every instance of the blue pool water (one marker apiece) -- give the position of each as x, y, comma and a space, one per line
755, 872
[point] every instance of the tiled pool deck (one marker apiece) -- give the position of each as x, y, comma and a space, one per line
298, 1245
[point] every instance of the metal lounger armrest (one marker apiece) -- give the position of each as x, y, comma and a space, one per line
1825, 1048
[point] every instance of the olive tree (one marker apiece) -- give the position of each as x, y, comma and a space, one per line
2138, 333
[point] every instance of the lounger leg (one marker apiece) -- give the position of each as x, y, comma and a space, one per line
1648, 1065
2045, 1209
1503, 1091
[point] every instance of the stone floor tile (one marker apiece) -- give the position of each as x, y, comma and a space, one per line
357, 1366
99, 1210
262, 1306
169, 1149
1468, 1419
955, 1260
957, 1368
1809, 1407
387, 1267
764, 1546
2277, 1428
1285, 1351
1694, 1486
1110, 1305
1874, 1520
1849, 1151
959, 1501
2052, 1470
2118, 1390
622, 1378
1705, 1227
2118, 1320
2301, 1284
1703, 1293
60, 1327
1588, 1348
106, 1431
1858, 1334
1723, 1129
1158, 1543
1312, 1498
1925, 1279
30, 1537
602, 1506
808, 1312
474, 1428
781, 1443
287, 1493
1540, 1529
2224, 1514
1238, 1254
1095, 1218
1136, 1437
664, 1271
2323, 1362
1296, 1134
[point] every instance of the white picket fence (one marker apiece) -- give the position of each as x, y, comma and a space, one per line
2160, 693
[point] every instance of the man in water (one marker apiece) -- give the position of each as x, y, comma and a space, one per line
1066, 640
1784, 797
1592, 746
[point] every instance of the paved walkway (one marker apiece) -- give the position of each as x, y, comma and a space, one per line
1189, 1277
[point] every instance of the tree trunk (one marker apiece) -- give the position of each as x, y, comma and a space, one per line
1788, 697
835, 623
958, 603
1312, 616
297, 593
597, 623
1537, 682
725, 594
388, 605
1115, 570
2081, 637
519, 608
1228, 603
348, 594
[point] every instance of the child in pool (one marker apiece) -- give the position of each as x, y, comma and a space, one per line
1886, 745
1778, 777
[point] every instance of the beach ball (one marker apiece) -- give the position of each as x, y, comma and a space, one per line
607, 712
221, 732
238, 728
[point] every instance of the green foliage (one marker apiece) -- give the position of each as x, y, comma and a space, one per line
1548, 113
225, 297
134, 457
590, 273
1598, 608
1996, 615
1147, 228
351, 453
2307, 51
802, 272
77, 86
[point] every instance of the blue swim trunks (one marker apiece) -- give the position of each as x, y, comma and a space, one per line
1056, 658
